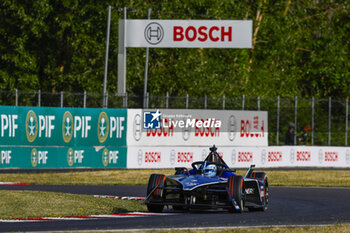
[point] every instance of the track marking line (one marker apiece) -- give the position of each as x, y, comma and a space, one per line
13, 183
89, 217
122, 197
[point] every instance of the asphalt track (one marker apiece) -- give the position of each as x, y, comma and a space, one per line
288, 206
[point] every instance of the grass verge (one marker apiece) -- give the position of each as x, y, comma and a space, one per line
339, 228
317, 178
24, 204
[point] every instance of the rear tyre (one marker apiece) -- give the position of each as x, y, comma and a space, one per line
235, 185
158, 194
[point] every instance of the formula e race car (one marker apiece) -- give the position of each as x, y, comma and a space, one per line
210, 184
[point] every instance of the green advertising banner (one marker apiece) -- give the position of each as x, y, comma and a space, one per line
62, 157
44, 126
43, 137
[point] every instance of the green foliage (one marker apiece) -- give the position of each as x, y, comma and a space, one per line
300, 48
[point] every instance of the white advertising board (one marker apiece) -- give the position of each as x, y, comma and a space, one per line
241, 157
180, 127
188, 33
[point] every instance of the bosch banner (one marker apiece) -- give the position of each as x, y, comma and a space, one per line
241, 157
184, 127
188, 33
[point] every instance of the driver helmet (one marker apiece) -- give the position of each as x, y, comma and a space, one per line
210, 170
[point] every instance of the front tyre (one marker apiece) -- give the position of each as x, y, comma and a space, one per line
235, 185
156, 184
265, 200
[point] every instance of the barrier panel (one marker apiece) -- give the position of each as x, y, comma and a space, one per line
241, 157
178, 127
41, 137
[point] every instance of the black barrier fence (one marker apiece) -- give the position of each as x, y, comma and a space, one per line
322, 122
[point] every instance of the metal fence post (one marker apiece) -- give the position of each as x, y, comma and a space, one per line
84, 101
223, 102
205, 102
167, 100
61, 99
146, 62
39, 98
278, 122
147, 100
187, 97
258, 103
125, 100
16, 97
312, 120
106, 100
329, 120
243, 101
295, 118
346, 120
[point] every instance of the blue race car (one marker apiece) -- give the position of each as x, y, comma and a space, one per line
210, 184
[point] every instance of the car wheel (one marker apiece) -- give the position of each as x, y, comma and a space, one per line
154, 181
235, 185
262, 176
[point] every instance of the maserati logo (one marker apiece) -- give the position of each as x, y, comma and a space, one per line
154, 33
31, 126
232, 126
102, 127
67, 126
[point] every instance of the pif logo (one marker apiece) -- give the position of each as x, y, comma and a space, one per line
67, 126
154, 33
70, 157
31, 126
38, 157
102, 127
74, 156
6, 156
109, 157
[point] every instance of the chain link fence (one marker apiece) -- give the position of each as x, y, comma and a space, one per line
322, 122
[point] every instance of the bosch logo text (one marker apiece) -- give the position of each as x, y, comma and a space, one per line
153, 157
184, 157
303, 156
245, 157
